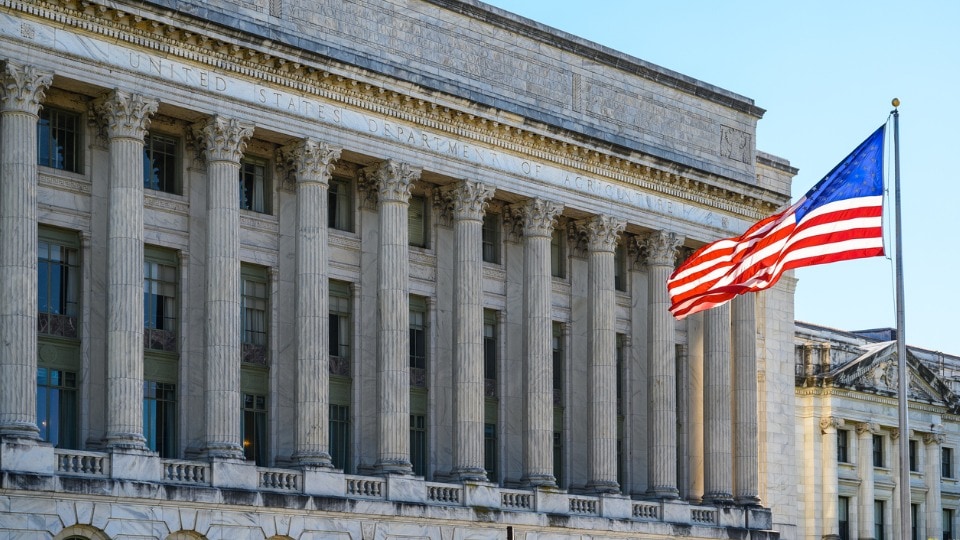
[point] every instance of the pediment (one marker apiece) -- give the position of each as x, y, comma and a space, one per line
876, 371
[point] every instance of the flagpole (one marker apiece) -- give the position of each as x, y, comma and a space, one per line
905, 514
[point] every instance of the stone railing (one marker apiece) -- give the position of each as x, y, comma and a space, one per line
362, 486
79, 462
516, 500
583, 506
444, 493
280, 479
186, 472
646, 511
703, 516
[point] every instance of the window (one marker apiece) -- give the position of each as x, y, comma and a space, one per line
620, 267
842, 436
340, 328
57, 415
490, 451
161, 163
878, 519
58, 283
490, 234
254, 392
340, 205
843, 516
340, 436
254, 185
619, 360
946, 462
58, 139
160, 299
418, 342
557, 364
558, 255
914, 521
878, 451
489, 353
254, 306
418, 444
948, 524
160, 417
914, 463
558, 457
417, 221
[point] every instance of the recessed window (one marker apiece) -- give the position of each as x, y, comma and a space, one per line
558, 364
160, 417
878, 460
843, 517
58, 139
490, 355
948, 524
842, 438
254, 185
57, 412
558, 254
878, 519
490, 234
914, 459
946, 462
58, 283
340, 328
255, 428
254, 305
490, 451
418, 341
620, 268
417, 221
418, 444
340, 204
161, 163
340, 436
160, 299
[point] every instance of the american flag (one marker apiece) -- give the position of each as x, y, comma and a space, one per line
839, 219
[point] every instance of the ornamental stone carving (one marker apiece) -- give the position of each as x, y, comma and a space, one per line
867, 427
389, 181
23, 87
307, 161
601, 232
124, 115
934, 438
537, 216
660, 247
828, 423
222, 139
466, 199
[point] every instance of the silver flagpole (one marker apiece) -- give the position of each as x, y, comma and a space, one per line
905, 513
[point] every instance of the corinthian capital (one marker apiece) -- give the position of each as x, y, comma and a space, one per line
125, 115
22, 87
537, 216
828, 423
467, 200
391, 180
308, 161
222, 139
660, 247
602, 232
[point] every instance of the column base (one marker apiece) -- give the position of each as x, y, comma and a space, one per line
126, 441
231, 452
748, 500
664, 492
719, 498
603, 487
20, 431
397, 466
539, 480
469, 474
831, 537
313, 460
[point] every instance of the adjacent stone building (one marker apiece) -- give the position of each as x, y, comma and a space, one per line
848, 436
292, 269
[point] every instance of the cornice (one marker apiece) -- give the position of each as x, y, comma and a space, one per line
177, 35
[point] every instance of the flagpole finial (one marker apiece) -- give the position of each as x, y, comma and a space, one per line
895, 103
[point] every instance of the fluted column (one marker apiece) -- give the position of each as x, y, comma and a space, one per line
717, 414
893, 508
468, 200
126, 117
311, 163
602, 233
865, 433
538, 216
661, 251
224, 140
392, 181
745, 429
695, 409
931, 480
21, 92
828, 456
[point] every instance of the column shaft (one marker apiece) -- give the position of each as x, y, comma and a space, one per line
745, 428
696, 408
468, 200
931, 479
21, 92
225, 140
865, 433
717, 443
828, 455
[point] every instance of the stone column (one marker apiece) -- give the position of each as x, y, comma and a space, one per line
126, 117
893, 506
468, 200
931, 479
602, 233
21, 92
865, 433
311, 164
392, 181
717, 414
538, 216
661, 252
223, 140
745, 428
831, 490
695, 409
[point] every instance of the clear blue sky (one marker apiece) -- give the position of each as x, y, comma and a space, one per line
825, 71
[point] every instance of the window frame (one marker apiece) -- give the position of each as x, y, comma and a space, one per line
340, 205
843, 446
418, 209
340, 328
72, 163
170, 167
255, 389
879, 457
167, 335
254, 333
61, 393
558, 253
490, 238
946, 462
419, 348
62, 320
266, 204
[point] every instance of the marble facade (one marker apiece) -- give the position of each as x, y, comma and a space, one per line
553, 190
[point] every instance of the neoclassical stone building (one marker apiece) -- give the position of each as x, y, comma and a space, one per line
848, 436
369, 270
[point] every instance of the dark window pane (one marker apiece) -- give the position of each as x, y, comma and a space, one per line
160, 417
418, 444
58, 139
340, 436
57, 415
